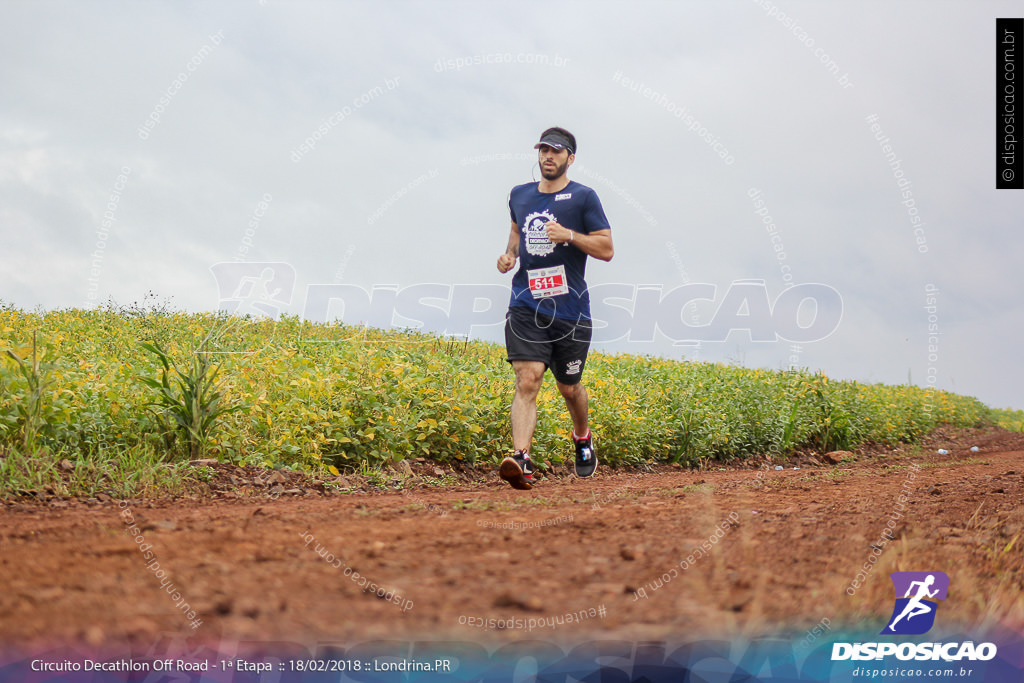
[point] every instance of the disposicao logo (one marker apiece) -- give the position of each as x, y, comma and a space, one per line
917, 596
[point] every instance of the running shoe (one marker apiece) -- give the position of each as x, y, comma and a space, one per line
586, 456
517, 470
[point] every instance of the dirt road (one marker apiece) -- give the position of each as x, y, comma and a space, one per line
623, 555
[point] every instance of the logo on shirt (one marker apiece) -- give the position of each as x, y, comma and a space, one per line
560, 197
537, 242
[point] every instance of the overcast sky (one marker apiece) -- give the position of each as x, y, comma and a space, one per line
373, 144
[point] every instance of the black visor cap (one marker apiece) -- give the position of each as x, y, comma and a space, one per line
555, 141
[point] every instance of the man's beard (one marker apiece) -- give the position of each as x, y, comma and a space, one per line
553, 173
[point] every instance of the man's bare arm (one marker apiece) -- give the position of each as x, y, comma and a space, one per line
507, 260
597, 244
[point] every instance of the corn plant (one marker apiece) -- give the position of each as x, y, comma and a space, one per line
189, 399
31, 407
834, 429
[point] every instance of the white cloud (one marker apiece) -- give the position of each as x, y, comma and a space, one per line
79, 80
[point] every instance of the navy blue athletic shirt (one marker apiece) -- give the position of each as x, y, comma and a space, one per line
577, 208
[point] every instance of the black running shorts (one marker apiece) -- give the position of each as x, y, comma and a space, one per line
560, 344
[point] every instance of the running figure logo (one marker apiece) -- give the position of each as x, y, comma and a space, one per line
259, 289
917, 594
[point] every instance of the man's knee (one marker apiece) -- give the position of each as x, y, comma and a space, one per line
529, 378
571, 391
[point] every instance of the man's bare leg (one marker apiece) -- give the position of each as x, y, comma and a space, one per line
585, 458
576, 401
529, 377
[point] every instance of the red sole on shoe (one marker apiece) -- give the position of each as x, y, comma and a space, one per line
513, 474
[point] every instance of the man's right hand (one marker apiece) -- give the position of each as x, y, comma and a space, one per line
505, 262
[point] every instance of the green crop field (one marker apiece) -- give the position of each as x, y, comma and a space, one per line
125, 395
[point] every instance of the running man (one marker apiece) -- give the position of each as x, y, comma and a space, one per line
556, 224
916, 606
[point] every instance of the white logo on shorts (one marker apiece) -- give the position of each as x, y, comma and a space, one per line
573, 367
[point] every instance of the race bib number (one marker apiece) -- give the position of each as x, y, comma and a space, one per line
548, 282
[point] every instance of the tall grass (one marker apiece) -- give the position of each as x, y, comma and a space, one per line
304, 395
